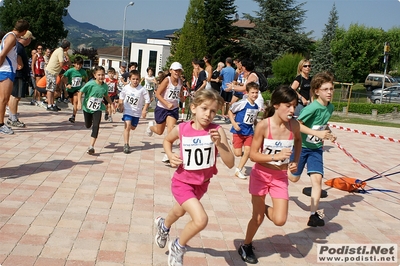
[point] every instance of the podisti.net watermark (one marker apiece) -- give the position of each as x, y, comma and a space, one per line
357, 253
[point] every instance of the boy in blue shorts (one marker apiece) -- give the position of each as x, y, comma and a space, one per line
314, 129
243, 115
133, 102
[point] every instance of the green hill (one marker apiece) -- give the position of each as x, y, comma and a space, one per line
86, 35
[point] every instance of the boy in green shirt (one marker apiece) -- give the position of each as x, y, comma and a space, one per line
73, 80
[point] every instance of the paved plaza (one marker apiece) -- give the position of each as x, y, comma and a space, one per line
61, 206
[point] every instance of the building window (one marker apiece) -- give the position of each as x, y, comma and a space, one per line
153, 59
140, 55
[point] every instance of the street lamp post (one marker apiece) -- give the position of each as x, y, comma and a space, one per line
123, 31
386, 51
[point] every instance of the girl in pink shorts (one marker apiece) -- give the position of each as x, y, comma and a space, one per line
273, 142
200, 142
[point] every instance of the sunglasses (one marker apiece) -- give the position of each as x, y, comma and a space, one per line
307, 66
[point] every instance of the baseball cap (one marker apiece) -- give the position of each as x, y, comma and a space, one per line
123, 64
176, 66
28, 35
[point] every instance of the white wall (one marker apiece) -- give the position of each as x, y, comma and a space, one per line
163, 52
110, 62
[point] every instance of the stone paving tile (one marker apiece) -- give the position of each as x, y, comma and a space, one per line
61, 206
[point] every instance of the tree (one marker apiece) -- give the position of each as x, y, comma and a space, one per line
192, 40
277, 31
285, 68
322, 58
44, 17
357, 52
221, 34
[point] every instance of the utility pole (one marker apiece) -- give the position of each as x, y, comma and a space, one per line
386, 51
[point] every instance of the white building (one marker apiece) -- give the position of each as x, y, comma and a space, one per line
153, 54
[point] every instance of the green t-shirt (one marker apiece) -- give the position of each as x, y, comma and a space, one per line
75, 78
94, 94
316, 117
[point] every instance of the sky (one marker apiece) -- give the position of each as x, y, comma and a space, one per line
170, 14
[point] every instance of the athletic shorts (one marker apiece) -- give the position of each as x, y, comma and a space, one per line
227, 96
51, 81
238, 95
264, 180
183, 191
20, 88
41, 90
314, 160
7, 75
134, 120
241, 140
160, 114
71, 93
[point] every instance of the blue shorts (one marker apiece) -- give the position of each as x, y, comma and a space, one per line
134, 120
160, 114
313, 159
7, 75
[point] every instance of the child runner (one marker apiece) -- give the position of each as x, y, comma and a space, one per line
166, 112
243, 116
275, 135
314, 129
112, 83
200, 142
93, 105
73, 79
133, 102
150, 82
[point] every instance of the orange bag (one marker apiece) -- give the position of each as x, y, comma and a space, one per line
346, 183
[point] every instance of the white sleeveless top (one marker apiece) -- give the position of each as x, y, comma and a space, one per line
9, 66
171, 94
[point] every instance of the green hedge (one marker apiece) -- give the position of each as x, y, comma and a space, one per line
366, 108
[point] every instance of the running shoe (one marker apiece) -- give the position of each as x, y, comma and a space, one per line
239, 174
4, 129
72, 119
161, 235
90, 151
165, 159
315, 220
175, 255
247, 254
126, 149
148, 130
15, 123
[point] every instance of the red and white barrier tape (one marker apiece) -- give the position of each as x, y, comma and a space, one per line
360, 163
364, 133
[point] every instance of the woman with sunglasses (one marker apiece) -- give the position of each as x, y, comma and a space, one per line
301, 85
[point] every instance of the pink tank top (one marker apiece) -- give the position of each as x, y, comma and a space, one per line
198, 153
273, 146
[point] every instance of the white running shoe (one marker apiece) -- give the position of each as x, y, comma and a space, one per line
165, 159
239, 174
148, 130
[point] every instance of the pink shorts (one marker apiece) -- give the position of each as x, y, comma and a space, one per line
241, 140
184, 191
264, 180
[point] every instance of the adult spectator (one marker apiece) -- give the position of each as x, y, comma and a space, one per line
8, 67
227, 75
46, 56
249, 76
202, 75
31, 77
208, 69
215, 81
21, 81
302, 85
37, 67
52, 70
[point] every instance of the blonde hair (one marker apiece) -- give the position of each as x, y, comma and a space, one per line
300, 65
207, 95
